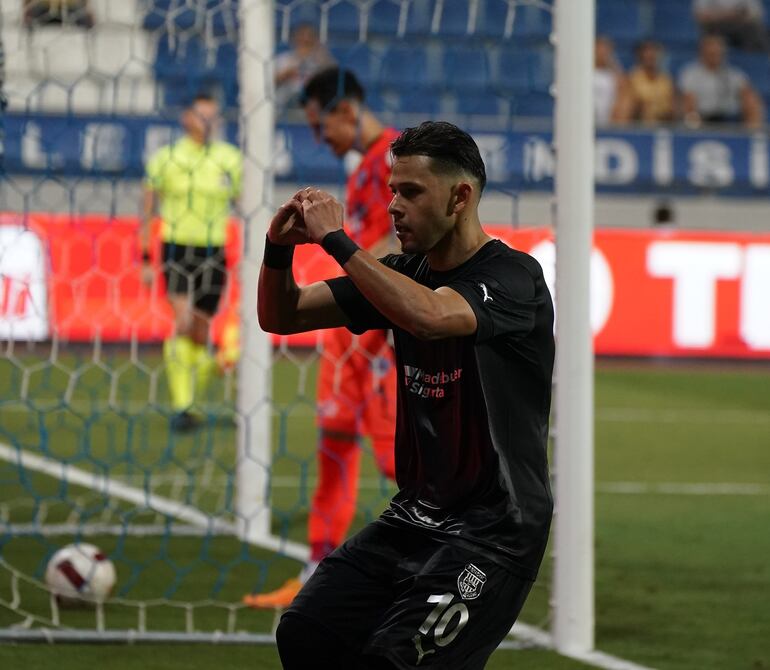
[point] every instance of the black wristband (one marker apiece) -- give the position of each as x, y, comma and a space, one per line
278, 256
146, 257
339, 246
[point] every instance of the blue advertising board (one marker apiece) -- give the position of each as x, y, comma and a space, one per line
644, 161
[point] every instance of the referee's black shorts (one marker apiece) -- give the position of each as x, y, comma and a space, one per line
198, 272
404, 595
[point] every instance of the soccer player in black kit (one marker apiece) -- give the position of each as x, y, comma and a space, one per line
439, 578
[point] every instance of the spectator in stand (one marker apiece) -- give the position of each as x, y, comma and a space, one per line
611, 96
740, 22
62, 12
294, 67
651, 90
715, 92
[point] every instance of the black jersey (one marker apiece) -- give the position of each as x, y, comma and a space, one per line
473, 411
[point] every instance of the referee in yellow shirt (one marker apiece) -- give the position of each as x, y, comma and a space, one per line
194, 182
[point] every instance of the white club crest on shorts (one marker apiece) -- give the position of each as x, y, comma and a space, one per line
470, 582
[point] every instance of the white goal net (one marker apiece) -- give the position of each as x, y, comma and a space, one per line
193, 521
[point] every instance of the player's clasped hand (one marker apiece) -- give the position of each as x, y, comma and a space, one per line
287, 225
322, 213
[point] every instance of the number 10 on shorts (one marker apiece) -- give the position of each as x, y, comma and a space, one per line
438, 621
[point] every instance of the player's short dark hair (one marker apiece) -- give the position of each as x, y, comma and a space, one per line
331, 85
451, 149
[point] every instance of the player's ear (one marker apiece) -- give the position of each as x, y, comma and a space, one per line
461, 196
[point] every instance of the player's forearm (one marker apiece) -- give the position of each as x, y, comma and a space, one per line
404, 302
277, 300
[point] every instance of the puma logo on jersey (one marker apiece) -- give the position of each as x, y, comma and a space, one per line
484, 289
417, 639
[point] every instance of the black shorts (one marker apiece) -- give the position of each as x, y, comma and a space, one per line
199, 272
416, 600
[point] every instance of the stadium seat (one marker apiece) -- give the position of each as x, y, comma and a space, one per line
756, 66
361, 59
384, 17
532, 22
185, 67
524, 70
419, 101
533, 105
678, 59
344, 19
291, 13
621, 20
221, 19
405, 66
179, 13
479, 103
673, 23
500, 18
465, 67
177, 57
453, 19
374, 100
420, 18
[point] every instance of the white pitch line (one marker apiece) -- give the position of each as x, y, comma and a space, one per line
681, 415
108, 486
622, 488
139, 495
685, 488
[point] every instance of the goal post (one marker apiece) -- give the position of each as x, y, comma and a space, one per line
256, 120
573, 580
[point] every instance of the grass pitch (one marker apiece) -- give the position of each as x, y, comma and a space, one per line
682, 508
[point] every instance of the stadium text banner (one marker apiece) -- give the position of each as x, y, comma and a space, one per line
653, 292
626, 162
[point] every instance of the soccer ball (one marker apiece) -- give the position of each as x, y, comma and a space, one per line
80, 574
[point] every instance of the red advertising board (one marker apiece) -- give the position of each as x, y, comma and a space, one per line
653, 292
